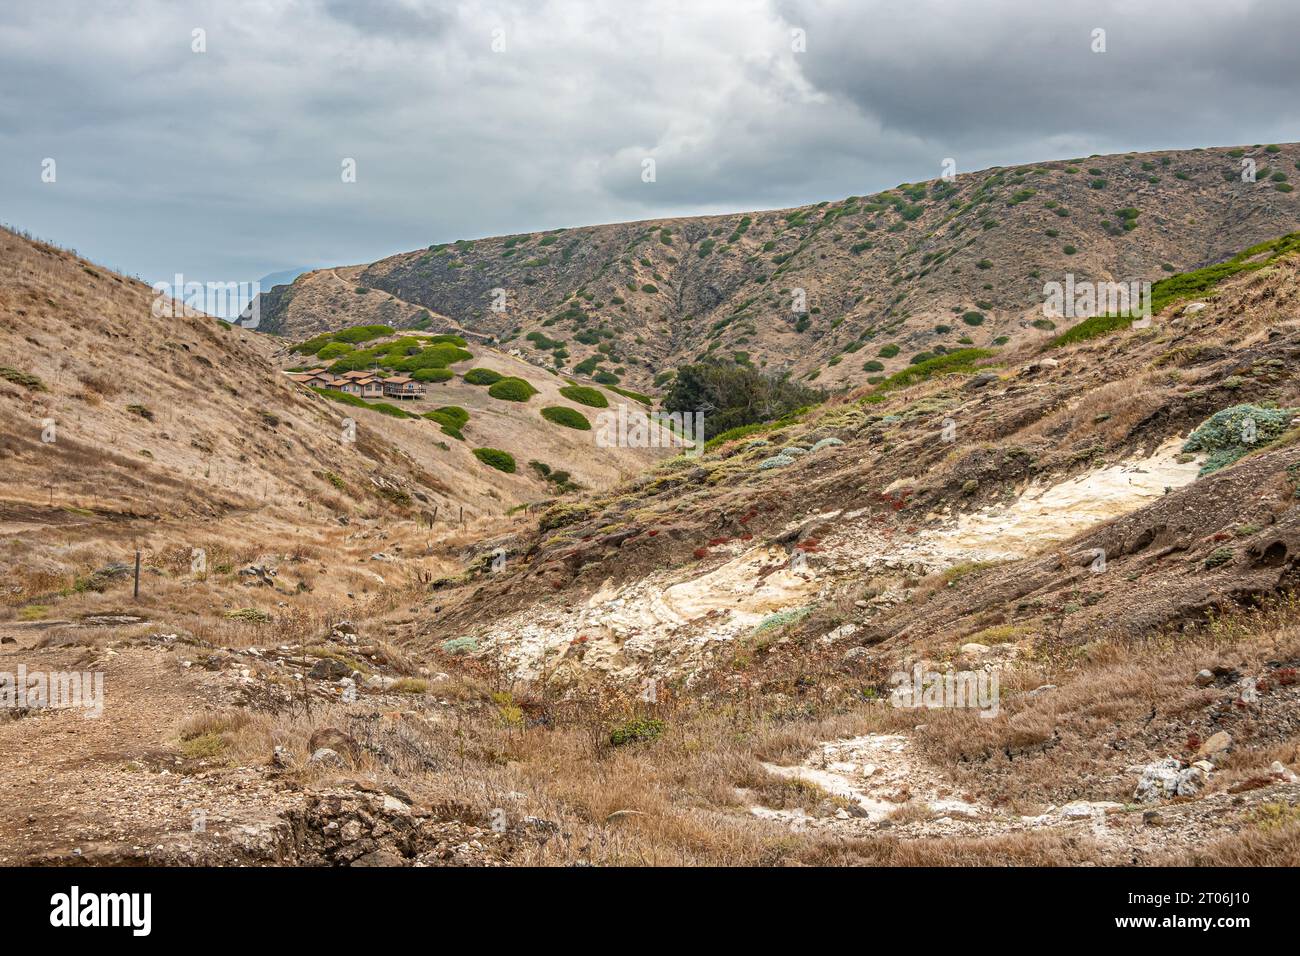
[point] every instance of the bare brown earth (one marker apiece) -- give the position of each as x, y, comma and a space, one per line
896, 268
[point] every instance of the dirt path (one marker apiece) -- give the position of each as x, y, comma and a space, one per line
100, 789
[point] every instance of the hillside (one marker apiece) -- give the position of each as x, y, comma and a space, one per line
917, 269
127, 430
690, 664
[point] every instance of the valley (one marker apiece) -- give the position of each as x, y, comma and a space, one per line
399, 605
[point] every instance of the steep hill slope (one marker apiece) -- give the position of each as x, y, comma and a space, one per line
836, 292
128, 430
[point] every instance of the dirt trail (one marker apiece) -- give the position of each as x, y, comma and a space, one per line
879, 784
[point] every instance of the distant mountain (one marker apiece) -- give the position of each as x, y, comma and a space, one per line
835, 292
283, 277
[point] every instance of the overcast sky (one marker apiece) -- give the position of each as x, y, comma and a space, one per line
468, 119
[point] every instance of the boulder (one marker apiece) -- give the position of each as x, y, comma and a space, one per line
331, 738
1191, 782
327, 668
1158, 781
325, 757
1217, 744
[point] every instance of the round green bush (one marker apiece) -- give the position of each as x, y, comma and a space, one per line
888, 351
496, 458
973, 318
334, 350
568, 417
873, 366
512, 390
585, 396
452, 415
433, 374
482, 376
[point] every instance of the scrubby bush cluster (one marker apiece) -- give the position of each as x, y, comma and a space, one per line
496, 458
730, 396
1232, 433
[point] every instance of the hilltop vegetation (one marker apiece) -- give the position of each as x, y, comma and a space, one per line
824, 293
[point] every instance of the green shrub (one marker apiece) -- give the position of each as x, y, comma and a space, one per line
606, 378
384, 408
512, 390
334, 350
585, 396
873, 366
1091, 328
960, 360
973, 318
568, 417
736, 395
628, 393
452, 418
1198, 282
1232, 433
362, 333
459, 646
433, 374
496, 458
27, 381
888, 351
1219, 556
482, 376
636, 730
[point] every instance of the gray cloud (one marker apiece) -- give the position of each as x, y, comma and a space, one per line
226, 165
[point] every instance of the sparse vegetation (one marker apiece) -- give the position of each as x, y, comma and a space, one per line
568, 417
496, 458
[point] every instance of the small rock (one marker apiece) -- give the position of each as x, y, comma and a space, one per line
1045, 688
1190, 782
327, 758
856, 655
327, 668
976, 650
333, 739
1217, 744
1278, 769
1204, 678
1159, 781
281, 757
